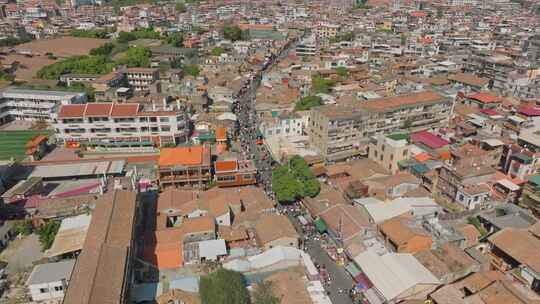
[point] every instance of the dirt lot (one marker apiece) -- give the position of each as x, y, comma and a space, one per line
63, 46
28, 65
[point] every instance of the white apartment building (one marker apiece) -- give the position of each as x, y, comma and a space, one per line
142, 78
32, 105
284, 125
121, 125
48, 282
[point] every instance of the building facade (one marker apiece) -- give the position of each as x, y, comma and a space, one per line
106, 124
34, 105
338, 132
142, 78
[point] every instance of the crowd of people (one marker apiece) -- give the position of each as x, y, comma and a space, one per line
247, 131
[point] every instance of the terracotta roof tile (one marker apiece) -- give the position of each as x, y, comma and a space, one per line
124, 110
188, 156
71, 111
98, 109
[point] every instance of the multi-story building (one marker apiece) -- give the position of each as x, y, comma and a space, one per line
141, 78
185, 167
388, 151
234, 172
530, 197
413, 112
285, 124
326, 31
339, 132
336, 132
32, 105
121, 125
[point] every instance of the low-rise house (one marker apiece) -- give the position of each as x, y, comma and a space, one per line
483, 100
48, 282
403, 235
393, 186
142, 78
235, 172
185, 167
470, 82
516, 251
417, 207
275, 230
396, 277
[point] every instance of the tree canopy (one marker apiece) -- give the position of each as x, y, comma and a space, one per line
217, 51
104, 50
11, 41
232, 32
136, 57
342, 71
319, 85
47, 233
180, 7
223, 287
77, 64
294, 180
175, 39
192, 70
307, 103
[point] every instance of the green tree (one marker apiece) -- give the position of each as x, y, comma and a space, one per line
102, 34
79, 65
342, 72
125, 37
440, 13
287, 188
263, 293
319, 85
24, 227
47, 233
180, 8
307, 103
12, 41
136, 57
302, 173
192, 70
104, 50
223, 287
175, 39
403, 39
232, 33
294, 180
217, 51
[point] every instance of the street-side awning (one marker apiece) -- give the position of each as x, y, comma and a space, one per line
320, 225
352, 269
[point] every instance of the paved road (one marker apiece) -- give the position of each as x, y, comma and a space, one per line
340, 278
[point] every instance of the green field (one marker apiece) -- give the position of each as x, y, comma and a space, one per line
12, 143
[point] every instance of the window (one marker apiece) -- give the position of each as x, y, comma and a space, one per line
227, 178
143, 119
391, 157
153, 119
390, 167
461, 197
58, 288
382, 148
165, 128
381, 157
405, 152
43, 290
164, 119
247, 176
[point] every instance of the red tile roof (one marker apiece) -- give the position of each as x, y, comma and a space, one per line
71, 111
485, 97
225, 165
98, 109
182, 156
490, 112
428, 139
125, 110
529, 111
